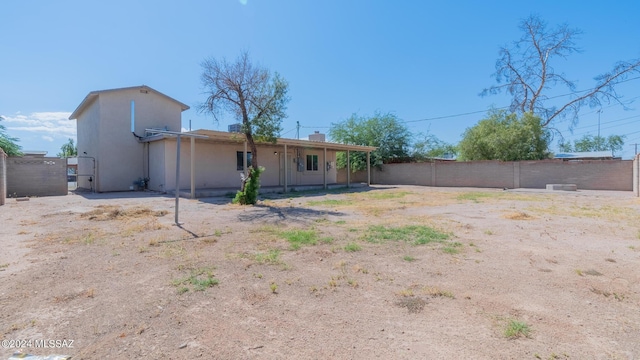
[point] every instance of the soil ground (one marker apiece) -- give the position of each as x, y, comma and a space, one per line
387, 272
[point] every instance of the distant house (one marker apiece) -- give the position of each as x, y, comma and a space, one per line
117, 153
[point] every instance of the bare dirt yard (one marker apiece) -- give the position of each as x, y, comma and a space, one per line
395, 272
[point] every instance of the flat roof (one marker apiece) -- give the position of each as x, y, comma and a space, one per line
234, 137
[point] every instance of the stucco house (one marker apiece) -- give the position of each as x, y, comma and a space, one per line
127, 139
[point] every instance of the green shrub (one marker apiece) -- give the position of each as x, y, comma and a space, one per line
249, 195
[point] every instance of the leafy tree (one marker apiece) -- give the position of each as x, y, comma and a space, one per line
429, 147
526, 71
384, 131
68, 150
8, 143
503, 136
249, 93
594, 143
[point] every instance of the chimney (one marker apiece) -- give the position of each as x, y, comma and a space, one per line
317, 136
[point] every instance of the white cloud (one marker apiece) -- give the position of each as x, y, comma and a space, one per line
48, 138
51, 124
243, 2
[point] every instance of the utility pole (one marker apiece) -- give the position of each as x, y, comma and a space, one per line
598, 143
298, 130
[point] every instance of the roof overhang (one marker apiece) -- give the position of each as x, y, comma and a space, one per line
92, 96
228, 137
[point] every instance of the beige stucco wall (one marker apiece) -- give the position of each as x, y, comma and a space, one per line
216, 165
88, 135
104, 132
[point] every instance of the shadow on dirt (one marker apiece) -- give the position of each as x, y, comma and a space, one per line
267, 213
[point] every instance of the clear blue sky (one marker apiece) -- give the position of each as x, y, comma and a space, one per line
417, 59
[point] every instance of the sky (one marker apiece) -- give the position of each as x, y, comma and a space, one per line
424, 61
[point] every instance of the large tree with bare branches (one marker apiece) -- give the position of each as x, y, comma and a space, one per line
526, 71
249, 93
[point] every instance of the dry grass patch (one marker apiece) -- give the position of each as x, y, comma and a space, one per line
518, 215
112, 212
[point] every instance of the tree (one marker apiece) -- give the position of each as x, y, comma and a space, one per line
502, 136
429, 147
8, 143
68, 150
526, 72
249, 93
385, 131
594, 143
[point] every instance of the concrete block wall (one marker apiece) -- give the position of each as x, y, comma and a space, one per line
3, 177
403, 174
489, 174
360, 176
36, 176
620, 175
587, 174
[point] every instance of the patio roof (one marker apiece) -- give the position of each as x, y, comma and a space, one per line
231, 137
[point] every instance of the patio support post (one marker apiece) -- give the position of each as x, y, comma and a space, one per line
324, 168
286, 164
368, 168
193, 168
177, 177
348, 170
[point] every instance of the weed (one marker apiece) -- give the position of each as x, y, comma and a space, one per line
516, 329
415, 234
452, 248
518, 215
386, 195
436, 292
329, 202
352, 247
89, 239
326, 240
353, 283
182, 290
272, 257
475, 196
297, 238
340, 222
274, 287
4, 266
199, 279
489, 232
406, 292
258, 276
579, 272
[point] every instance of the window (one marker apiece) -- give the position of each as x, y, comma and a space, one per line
312, 162
239, 163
